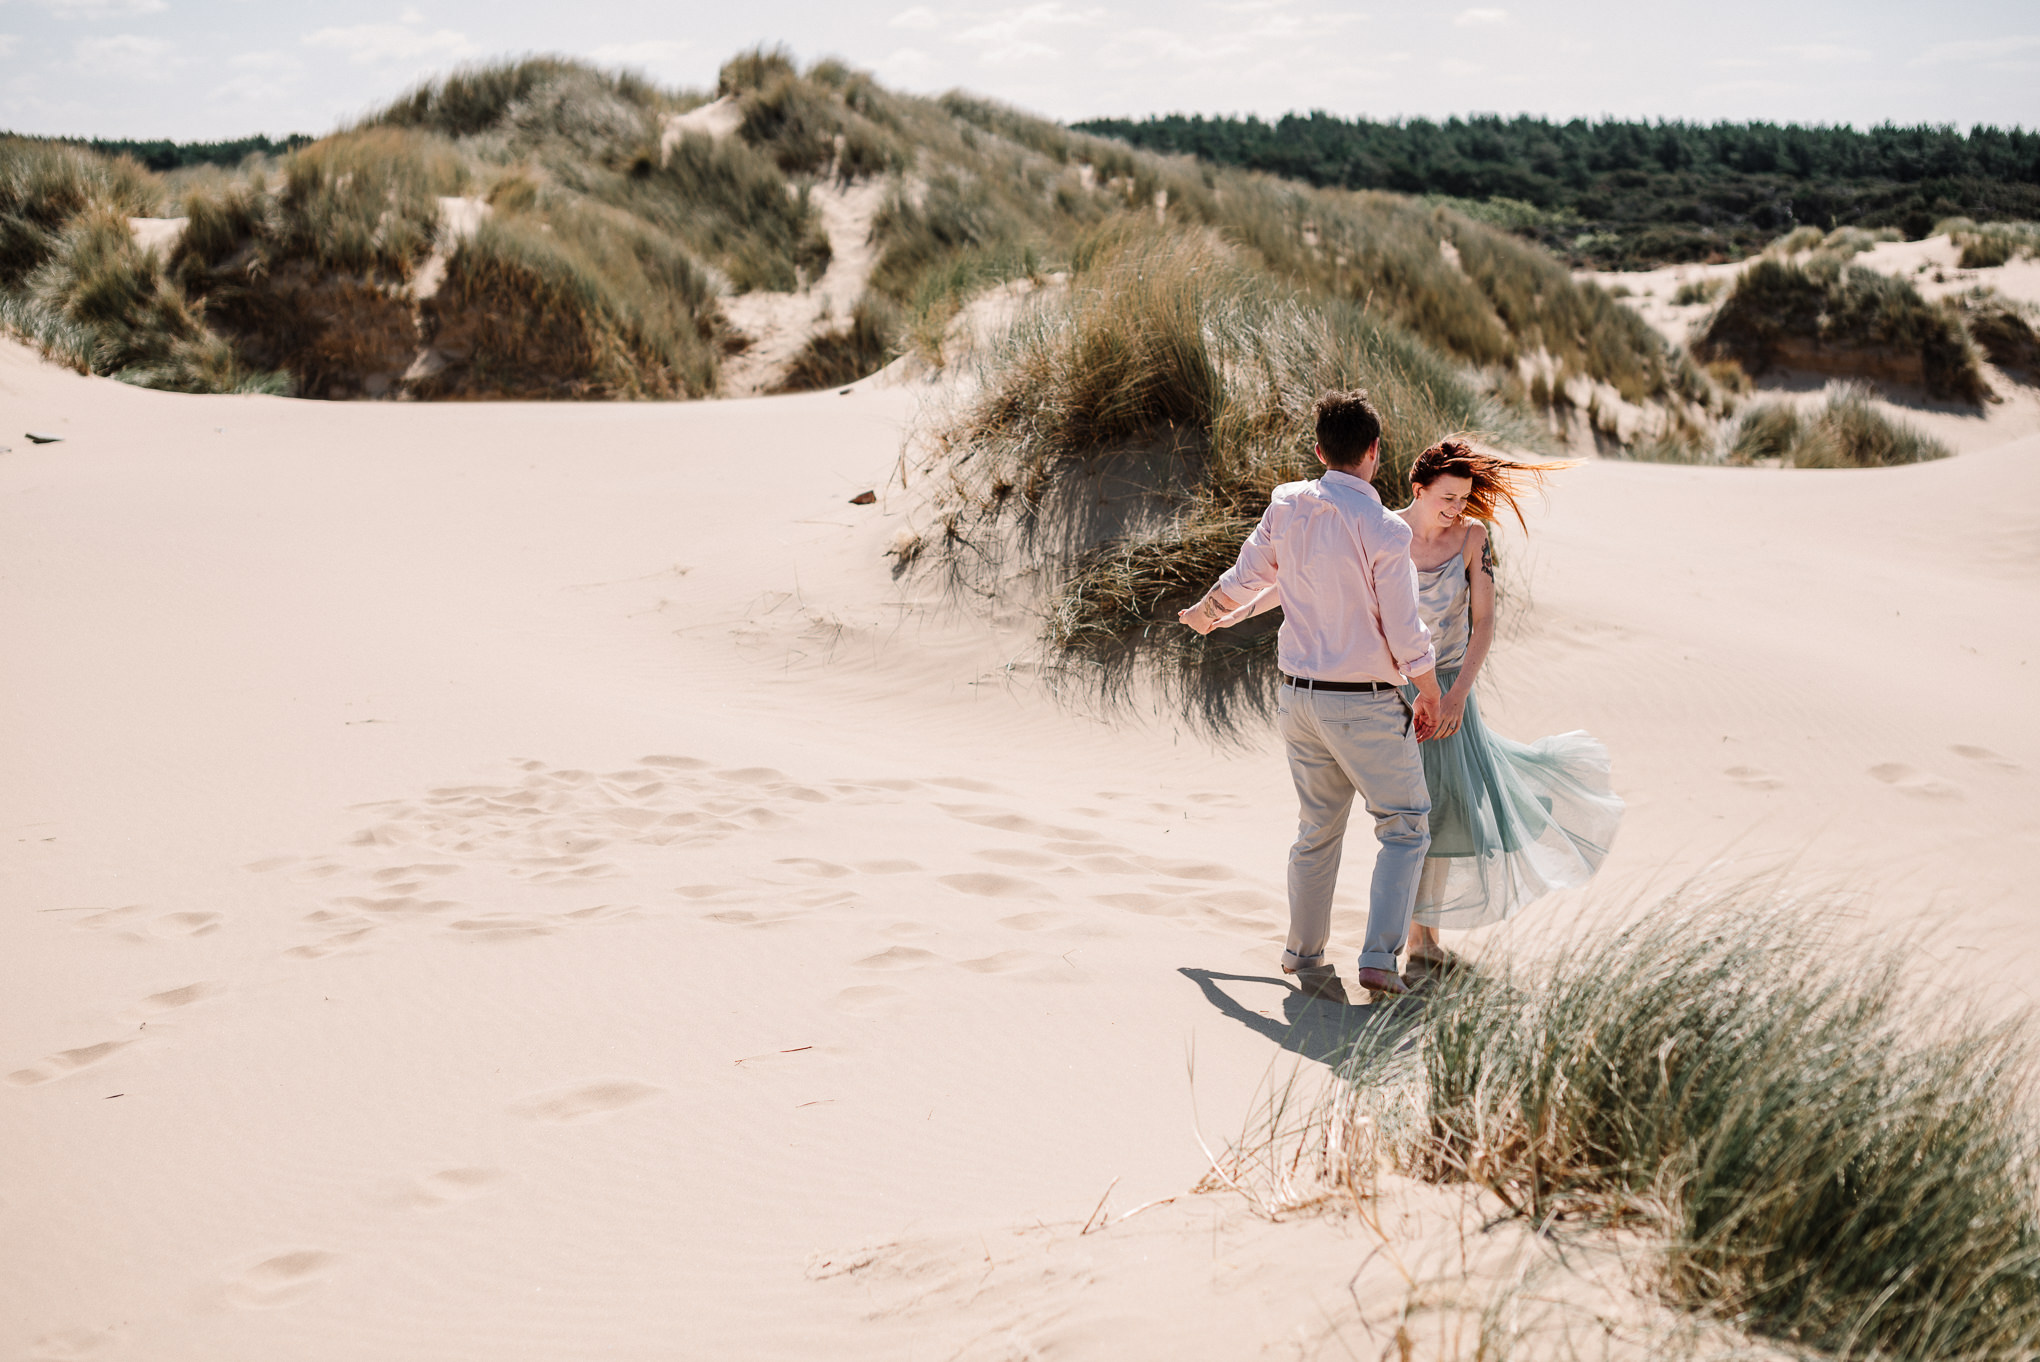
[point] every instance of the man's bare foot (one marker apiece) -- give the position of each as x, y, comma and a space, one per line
1381, 981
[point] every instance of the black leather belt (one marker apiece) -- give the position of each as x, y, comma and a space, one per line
1305, 683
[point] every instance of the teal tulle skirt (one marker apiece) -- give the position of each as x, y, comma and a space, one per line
1510, 822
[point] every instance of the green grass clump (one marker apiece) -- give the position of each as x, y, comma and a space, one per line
306, 274
44, 185
1697, 291
1843, 319
580, 301
1818, 1159
2003, 330
1134, 425
1996, 243
1847, 431
862, 347
102, 305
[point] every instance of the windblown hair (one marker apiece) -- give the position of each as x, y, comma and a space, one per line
1497, 482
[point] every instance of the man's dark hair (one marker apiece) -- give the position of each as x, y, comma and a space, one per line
1347, 426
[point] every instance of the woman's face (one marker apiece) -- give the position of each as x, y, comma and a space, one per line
1440, 505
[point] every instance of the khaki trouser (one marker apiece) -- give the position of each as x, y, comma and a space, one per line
1343, 743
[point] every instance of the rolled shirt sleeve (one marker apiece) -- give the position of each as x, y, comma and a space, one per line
1255, 569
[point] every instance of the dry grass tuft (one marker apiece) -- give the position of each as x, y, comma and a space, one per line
1847, 431
1816, 1160
1131, 429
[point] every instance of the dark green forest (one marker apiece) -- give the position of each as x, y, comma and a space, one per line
160, 154
1630, 194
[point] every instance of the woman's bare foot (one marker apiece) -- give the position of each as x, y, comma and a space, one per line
1381, 981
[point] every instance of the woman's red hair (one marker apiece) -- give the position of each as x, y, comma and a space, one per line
1497, 482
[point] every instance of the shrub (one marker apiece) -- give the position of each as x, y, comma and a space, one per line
581, 302
536, 97
1847, 431
1797, 241
43, 185
1842, 319
2002, 330
103, 305
1816, 1160
1696, 291
1134, 426
1994, 243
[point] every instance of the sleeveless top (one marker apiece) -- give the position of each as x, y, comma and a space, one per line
1445, 600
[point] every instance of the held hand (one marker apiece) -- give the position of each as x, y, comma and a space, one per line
1426, 710
1451, 714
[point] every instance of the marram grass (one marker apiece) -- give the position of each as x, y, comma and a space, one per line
1826, 1146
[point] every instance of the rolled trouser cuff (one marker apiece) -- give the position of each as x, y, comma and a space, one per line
1292, 962
1381, 960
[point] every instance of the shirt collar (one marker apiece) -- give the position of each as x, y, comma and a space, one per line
1352, 478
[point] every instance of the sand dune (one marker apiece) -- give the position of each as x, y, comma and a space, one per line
528, 881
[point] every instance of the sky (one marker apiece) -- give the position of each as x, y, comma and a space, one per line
209, 69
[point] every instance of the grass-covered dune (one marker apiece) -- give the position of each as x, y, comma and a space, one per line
545, 228
1833, 317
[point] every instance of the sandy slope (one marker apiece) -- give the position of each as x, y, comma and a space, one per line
519, 881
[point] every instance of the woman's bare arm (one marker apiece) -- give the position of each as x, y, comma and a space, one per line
1480, 572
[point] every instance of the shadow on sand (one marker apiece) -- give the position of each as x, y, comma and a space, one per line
1312, 1027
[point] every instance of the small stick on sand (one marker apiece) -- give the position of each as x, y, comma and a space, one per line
1099, 1207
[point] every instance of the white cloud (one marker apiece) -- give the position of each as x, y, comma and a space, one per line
1991, 50
1459, 70
99, 9
919, 17
406, 40
1824, 54
1016, 34
908, 65
648, 54
127, 55
8, 42
1481, 18
264, 61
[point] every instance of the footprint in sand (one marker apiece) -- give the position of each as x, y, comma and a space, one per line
888, 867
899, 957
434, 1190
1918, 784
1984, 756
991, 886
499, 927
1001, 962
1013, 856
339, 941
66, 1062
586, 1100
279, 1281
172, 998
807, 865
1753, 777
675, 763
71, 1345
1035, 922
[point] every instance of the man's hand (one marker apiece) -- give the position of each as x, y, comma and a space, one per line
1204, 616
1429, 706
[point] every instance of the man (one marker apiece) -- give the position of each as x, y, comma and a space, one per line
1338, 563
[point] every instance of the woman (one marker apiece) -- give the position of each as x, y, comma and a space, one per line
1509, 822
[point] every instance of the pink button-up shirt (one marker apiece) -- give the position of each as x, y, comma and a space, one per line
1338, 563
